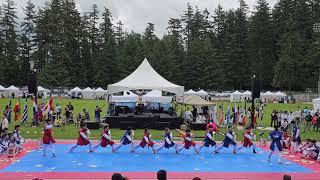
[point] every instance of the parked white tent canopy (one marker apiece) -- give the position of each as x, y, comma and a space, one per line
127, 96
246, 95
99, 92
145, 77
10, 91
316, 104
190, 92
156, 96
235, 96
88, 93
43, 91
2, 89
76, 93
196, 101
202, 93
280, 94
76, 89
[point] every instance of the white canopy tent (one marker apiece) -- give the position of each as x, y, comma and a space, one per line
246, 95
202, 93
76, 93
235, 96
145, 77
316, 104
280, 94
99, 92
127, 96
11, 91
156, 96
190, 92
2, 89
88, 93
43, 91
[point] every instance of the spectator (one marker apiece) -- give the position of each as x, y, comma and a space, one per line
316, 121
86, 114
308, 121
58, 111
162, 175
97, 114
70, 106
273, 118
286, 177
116, 176
4, 123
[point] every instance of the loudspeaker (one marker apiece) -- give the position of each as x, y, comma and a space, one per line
256, 89
32, 83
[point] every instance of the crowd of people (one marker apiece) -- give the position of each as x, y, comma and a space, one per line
11, 142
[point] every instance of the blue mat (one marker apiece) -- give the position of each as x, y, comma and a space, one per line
144, 161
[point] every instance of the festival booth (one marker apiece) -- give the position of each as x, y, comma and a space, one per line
11, 91
100, 93
76, 93
246, 95
141, 82
201, 105
316, 104
235, 96
88, 93
268, 96
43, 92
2, 91
280, 96
202, 93
190, 92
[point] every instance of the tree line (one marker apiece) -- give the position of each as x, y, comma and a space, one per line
217, 50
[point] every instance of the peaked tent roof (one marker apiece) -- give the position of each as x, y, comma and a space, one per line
279, 93
246, 93
190, 92
13, 88
236, 92
76, 89
88, 89
2, 88
145, 77
202, 93
196, 101
268, 93
99, 89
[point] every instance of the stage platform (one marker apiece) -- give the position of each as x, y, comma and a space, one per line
144, 120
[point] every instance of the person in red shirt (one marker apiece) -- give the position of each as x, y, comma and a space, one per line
214, 126
83, 138
47, 139
105, 139
146, 141
188, 142
248, 140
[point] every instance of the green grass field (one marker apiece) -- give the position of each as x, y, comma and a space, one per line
71, 131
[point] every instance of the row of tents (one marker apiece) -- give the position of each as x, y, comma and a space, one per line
87, 93
238, 96
198, 93
13, 91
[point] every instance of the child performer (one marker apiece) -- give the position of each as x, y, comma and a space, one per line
312, 151
126, 139
302, 147
286, 140
18, 139
168, 142
276, 136
229, 139
83, 138
47, 139
4, 143
105, 139
146, 140
295, 136
248, 140
188, 142
209, 139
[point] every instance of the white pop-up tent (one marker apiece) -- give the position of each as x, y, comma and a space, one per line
280, 94
316, 104
99, 92
190, 92
202, 93
145, 77
127, 96
156, 96
43, 91
76, 93
88, 93
2, 89
11, 91
235, 96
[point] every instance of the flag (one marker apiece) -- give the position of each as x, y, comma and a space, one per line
48, 107
16, 111
25, 113
228, 114
9, 112
35, 105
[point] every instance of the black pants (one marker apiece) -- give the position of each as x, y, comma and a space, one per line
273, 122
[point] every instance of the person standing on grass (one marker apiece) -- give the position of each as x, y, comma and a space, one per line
83, 138
273, 118
308, 121
295, 136
86, 114
97, 112
58, 111
4, 123
47, 139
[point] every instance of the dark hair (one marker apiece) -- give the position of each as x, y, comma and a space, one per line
276, 128
247, 128
210, 126
188, 130
286, 177
229, 126
196, 178
162, 175
308, 139
106, 126
293, 122
166, 129
116, 176
313, 141
16, 126
83, 125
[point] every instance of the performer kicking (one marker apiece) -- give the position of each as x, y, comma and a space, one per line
146, 140
295, 136
83, 138
126, 139
18, 139
168, 142
105, 139
209, 139
248, 140
47, 139
229, 139
276, 136
188, 142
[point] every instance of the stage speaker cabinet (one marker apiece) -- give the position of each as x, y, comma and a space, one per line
256, 89
32, 82
93, 125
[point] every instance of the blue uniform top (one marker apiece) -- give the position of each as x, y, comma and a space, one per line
227, 140
125, 140
168, 140
207, 138
276, 137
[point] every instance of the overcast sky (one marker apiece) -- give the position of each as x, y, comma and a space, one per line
135, 14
